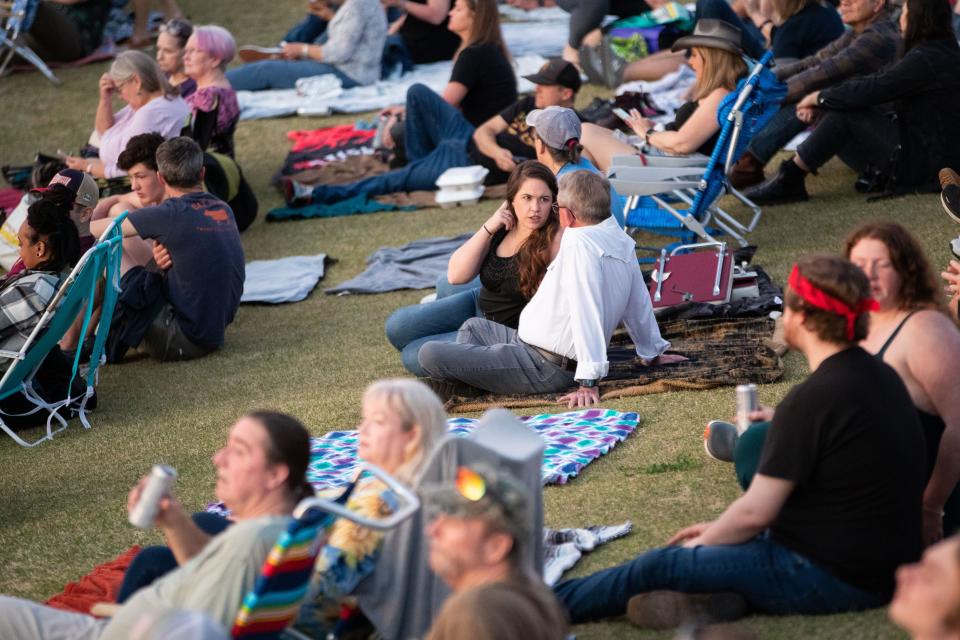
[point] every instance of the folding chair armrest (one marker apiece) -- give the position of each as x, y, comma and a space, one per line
12, 355
409, 504
649, 174
693, 160
649, 188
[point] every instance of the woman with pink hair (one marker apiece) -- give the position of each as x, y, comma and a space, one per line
214, 106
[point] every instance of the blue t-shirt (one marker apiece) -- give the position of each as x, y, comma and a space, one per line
205, 283
806, 32
617, 202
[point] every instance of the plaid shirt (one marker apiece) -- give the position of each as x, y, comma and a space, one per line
852, 54
23, 299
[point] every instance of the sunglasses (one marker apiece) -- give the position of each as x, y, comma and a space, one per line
470, 484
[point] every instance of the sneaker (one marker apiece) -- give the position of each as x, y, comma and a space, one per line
295, 193
253, 53
719, 440
950, 195
788, 185
672, 609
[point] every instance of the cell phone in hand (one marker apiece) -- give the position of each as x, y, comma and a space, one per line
955, 248
623, 115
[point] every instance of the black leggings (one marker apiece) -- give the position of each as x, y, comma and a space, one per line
860, 138
587, 15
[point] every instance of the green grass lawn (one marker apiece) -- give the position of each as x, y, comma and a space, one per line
62, 504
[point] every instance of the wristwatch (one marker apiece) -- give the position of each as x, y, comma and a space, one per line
587, 383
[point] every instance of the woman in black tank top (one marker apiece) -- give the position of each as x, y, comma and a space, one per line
911, 333
509, 252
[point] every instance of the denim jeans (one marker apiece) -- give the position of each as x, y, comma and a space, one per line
307, 30
436, 140
281, 74
155, 562
490, 356
445, 289
781, 129
750, 37
867, 136
409, 328
396, 57
772, 578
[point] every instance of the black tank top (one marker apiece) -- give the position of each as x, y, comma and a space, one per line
932, 425
428, 42
500, 298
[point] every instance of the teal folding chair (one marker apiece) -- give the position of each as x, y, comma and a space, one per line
272, 605
76, 294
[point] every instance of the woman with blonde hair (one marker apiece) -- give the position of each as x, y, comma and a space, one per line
153, 105
717, 60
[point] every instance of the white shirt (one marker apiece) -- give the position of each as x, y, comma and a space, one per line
592, 285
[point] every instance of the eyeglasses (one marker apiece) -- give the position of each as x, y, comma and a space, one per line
470, 484
568, 209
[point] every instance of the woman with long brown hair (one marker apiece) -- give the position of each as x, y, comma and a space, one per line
911, 332
510, 252
716, 56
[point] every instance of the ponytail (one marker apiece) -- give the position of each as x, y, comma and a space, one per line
53, 224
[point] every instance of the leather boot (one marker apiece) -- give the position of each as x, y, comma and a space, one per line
747, 172
788, 185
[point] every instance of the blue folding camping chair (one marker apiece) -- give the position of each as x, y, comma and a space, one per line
76, 294
678, 195
16, 18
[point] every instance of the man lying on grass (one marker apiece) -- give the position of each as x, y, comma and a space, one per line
834, 507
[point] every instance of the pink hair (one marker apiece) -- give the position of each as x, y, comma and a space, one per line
216, 42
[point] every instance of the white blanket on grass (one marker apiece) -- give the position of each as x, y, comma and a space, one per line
530, 43
283, 280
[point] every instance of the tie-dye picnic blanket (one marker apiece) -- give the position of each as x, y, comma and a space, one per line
571, 441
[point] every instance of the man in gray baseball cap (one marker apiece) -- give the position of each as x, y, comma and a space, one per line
479, 528
557, 143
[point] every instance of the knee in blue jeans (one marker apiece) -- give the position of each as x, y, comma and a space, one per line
417, 92
397, 328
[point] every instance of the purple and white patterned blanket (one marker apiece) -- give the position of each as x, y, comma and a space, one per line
571, 441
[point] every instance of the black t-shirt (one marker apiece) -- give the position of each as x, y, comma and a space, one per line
849, 437
806, 32
517, 138
205, 283
489, 79
428, 42
500, 299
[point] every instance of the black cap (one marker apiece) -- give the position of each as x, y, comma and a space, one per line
559, 72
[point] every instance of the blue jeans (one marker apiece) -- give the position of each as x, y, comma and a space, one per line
781, 129
281, 74
750, 37
409, 328
445, 289
769, 576
155, 562
395, 54
436, 140
307, 30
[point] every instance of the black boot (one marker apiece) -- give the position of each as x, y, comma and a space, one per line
786, 186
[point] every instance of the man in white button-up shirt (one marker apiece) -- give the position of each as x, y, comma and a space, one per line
592, 285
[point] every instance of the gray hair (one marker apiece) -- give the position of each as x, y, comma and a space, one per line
180, 162
587, 194
136, 63
416, 406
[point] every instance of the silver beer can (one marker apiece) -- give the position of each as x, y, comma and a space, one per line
747, 403
159, 484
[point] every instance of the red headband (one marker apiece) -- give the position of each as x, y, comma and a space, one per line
814, 296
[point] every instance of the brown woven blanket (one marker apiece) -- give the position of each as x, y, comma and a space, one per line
725, 351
